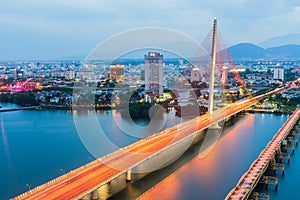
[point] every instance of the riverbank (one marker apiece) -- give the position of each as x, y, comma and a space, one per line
61, 107
20, 108
268, 111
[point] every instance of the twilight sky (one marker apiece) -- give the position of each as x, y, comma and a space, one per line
35, 29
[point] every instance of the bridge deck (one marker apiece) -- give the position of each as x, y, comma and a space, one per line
249, 180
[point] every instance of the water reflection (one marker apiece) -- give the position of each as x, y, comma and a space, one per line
213, 176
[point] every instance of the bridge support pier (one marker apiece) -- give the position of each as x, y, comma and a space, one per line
276, 167
292, 140
215, 126
262, 196
128, 176
269, 180
94, 195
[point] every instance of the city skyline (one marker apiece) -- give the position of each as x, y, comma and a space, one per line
52, 30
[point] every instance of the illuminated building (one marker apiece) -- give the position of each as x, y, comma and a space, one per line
117, 73
18, 74
278, 74
154, 73
224, 75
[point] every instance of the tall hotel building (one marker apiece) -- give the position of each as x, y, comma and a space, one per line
117, 73
154, 73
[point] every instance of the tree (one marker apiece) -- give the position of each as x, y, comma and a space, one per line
5, 98
26, 99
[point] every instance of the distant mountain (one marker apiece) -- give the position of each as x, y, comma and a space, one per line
247, 51
282, 40
286, 51
242, 51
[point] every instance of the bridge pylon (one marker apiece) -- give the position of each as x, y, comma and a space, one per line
212, 73
212, 68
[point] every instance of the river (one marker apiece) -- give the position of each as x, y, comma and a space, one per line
37, 146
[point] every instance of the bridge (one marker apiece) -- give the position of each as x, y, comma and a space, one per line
256, 171
88, 178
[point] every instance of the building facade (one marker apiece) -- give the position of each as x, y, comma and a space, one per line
117, 73
154, 73
86, 75
224, 75
278, 74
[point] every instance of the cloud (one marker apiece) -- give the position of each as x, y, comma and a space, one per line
91, 21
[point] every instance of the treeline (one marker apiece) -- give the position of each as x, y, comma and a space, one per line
284, 104
145, 111
20, 98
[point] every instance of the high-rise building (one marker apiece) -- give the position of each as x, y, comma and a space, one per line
117, 73
195, 75
154, 73
18, 73
278, 74
224, 75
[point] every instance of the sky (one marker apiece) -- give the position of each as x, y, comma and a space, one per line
35, 29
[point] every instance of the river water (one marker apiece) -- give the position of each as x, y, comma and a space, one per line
214, 175
37, 146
